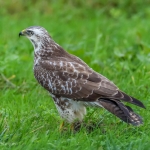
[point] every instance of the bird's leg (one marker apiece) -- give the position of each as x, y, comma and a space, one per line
61, 126
76, 126
72, 127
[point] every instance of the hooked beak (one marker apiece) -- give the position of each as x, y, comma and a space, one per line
22, 33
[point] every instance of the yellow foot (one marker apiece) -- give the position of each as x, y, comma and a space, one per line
61, 126
72, 127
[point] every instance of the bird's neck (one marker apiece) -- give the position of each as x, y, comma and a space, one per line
49, 50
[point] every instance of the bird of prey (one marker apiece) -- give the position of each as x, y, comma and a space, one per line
72, 84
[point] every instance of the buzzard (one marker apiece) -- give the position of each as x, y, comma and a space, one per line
72, 84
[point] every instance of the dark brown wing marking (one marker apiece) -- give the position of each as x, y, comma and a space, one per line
79, 82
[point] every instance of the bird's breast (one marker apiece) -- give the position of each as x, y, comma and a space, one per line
48, 79
43, 77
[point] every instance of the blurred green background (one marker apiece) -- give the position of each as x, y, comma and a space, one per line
111, 36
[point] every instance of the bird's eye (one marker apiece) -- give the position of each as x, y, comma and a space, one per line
30, 32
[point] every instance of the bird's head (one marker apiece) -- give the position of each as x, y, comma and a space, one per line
37, 35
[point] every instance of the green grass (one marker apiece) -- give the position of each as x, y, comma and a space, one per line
111, 37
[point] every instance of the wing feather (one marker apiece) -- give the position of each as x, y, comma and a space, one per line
79, 82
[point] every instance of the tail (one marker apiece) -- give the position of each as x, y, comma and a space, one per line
122, 111
122, 96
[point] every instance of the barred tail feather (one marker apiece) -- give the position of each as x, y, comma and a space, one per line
123, 112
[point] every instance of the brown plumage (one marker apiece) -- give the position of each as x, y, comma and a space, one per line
73, 84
